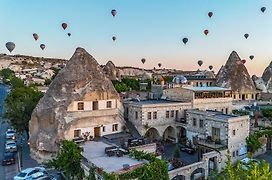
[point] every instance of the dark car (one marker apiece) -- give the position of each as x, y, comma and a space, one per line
9, 158
187, 149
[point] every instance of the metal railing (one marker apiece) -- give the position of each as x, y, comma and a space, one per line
217, 144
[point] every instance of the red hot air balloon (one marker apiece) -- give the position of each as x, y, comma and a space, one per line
113, 12
206, 32
243, 61
64, 25
35, 36
42, 46
210, 14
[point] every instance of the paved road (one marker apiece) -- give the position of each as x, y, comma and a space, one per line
7, 172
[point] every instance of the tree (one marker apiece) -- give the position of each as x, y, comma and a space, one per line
19, 105
16, 82
68, 160
91, 174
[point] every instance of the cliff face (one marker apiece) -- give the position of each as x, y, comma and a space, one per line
111, 71
267, 77
82, 78
234, 75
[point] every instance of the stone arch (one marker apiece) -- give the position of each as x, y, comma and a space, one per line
169, 134
198, 174
152, 134
182, 134
179, 177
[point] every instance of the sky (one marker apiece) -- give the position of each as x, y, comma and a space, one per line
150, 29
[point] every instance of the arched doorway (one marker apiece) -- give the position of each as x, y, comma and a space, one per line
181, 135
198, 174
169, 134
179, 177
152, 134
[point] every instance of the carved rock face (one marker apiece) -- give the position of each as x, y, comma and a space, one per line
234, 75
267, 77
81, 78
259, 83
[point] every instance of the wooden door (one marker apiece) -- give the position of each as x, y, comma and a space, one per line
97, 132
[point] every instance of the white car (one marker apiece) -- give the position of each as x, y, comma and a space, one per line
246, 163
10, 146
11, 134
30, 173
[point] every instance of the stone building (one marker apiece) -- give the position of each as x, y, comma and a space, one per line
80, 102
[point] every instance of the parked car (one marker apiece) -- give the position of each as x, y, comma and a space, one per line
11, 134
10, 146
56, 175
247, 163
37, 176
29, 172
187, 149
8, 158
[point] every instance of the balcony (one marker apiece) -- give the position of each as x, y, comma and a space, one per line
213, 144
95, 113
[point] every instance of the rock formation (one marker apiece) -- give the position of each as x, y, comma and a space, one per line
81, 79
267, 77
259, 83
111, 71
234, 75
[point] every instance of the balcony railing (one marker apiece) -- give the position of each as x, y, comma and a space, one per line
215, 144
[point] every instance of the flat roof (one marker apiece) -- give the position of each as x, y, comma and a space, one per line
206, 88
94, 151
216, 114
160, 101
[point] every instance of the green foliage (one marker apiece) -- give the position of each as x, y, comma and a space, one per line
253, 143
267, 112
177, 152
240, 112
16, 82
154, 170
91, 174
132, 83
7, 73
19, 105
120, 86
68, 160
254, 171
168, 79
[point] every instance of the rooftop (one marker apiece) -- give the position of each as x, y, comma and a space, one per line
216, 114
206, 88
95, 153
161, 101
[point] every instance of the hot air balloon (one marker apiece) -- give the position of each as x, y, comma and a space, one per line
251, 57
243, 61
113, 12
113, 38
35, 36
210, 67
263, 9
10, 46
206, 32
159, 64
200, 62
64, 25
42, 46
143, 60
246, 36
185, 40
210, 14
69, 34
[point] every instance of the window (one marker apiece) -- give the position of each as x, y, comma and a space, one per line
149, 115
114, 127
252, 96
227, 110
194, 121
236, 152
104, 128
233, 132
136, 114
196, 83
167, 114
172, 113
154, 115
80, 106
95, 105
233, 154
108, 104
77, 133
201, 123
234, 96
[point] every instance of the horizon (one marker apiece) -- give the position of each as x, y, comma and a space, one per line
149, 30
